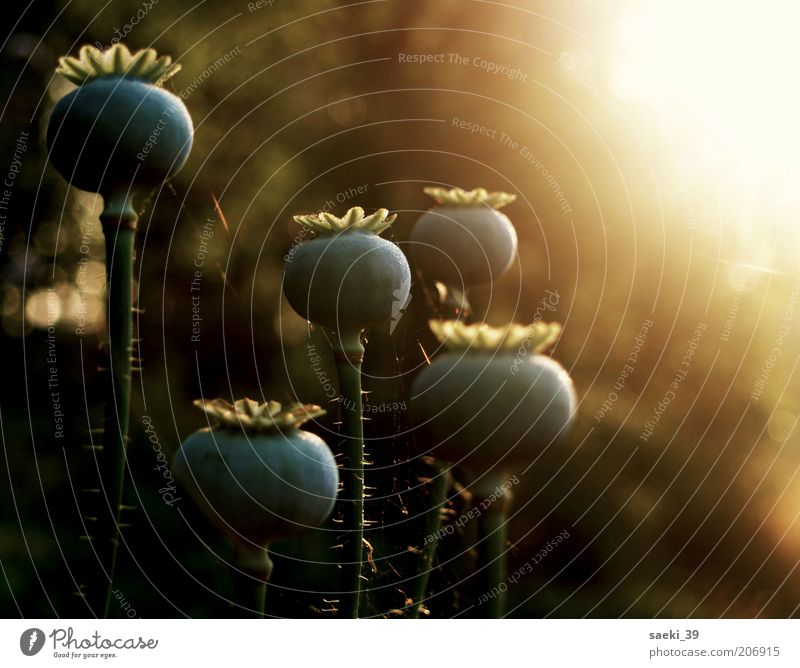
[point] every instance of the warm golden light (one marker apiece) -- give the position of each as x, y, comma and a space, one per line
716, 79
43, 308
722, 73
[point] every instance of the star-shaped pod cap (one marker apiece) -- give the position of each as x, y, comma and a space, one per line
469, 198
117, 61
249, 415
354, 219
456, 335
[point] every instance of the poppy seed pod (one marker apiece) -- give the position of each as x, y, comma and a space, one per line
119, 130
464, 240
492, 400
255, 474
346, 278
115, 134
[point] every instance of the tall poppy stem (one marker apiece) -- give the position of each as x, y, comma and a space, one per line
494, 500
119, 227
349, 354
437, 488
254, 569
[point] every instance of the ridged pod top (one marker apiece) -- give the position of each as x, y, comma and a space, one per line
457, 335
469, 198
249, 415
354, 219
117, 61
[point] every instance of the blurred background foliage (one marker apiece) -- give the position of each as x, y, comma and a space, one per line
300, 106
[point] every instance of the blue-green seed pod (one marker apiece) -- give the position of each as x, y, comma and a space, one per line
347, 278
256, 475
491, 400
464, 241
118, 131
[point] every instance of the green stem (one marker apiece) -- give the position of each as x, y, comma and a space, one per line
437, 495
493, 499
119, 226
349, 354
250, 580
492, 561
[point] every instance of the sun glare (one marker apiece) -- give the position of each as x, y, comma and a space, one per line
724, 73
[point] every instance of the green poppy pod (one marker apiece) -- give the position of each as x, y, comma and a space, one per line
347, 278
119, 130
464, 240
255, 474
492, 401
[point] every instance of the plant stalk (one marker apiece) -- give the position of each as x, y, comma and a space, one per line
492, 561
492, 533
119, 227
437, 495
251, 578
349, 354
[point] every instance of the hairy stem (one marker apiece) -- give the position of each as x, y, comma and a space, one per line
349, 354
119, 226
437, 496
